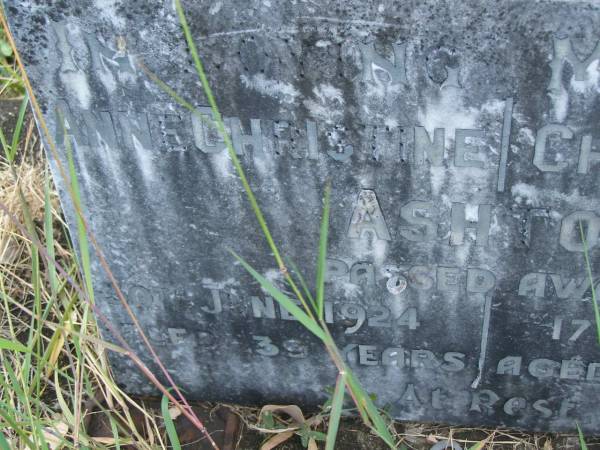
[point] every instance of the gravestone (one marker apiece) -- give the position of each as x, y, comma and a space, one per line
462, 142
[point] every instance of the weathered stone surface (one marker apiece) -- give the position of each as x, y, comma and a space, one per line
461, 138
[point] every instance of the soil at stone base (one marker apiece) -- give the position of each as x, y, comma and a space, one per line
229, 433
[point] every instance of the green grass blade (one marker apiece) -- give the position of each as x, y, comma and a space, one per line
19, 126
81, 231
336, 411
283, 300
371, 410
591, 278
169, 425
5, 147
223, 132
115, 432
477, 446
582, 443
302, 283
322, 261
3, 443
49, 238
5, 344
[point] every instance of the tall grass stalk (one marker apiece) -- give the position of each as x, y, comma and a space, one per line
310, 317
590, 276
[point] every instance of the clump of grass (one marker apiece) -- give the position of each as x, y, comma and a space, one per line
54, 375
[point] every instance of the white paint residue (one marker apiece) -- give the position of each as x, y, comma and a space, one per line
391, 122
462, 251
326, 92
107, 79
560, 103
284, 92
471, 212
380, 251
526, 136
525, 192
591, 81
494, 106
143, 157
222, 164
210, 283
323, 112
448, 112
76, 84
108, 11
360, 248
327, 103
534, 196
323, 43
495, 227
446, 201
351, 290
215, 8
437, 175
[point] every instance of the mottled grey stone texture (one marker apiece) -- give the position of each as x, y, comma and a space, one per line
462, 141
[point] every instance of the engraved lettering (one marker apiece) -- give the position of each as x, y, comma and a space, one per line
264, 346
572, 288
563, 52
543, 368
511, 365
177, 335
460, 224
483, 401
241, 141
362, 274
422, 228
465, 151
420, 278
410, 395
514, 405
262, 308
480, 280
572, 369
368, 218
394, 356
367, 356
336, 269
217, 305
356, 312
533, 284
570, 234
586, 156
409, 319
381, 317
593, 372
425, 148
454, 361
379, 70
423, 358
541, 140
541, 406
448, 278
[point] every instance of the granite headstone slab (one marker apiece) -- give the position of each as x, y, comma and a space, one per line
462, 141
